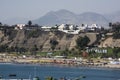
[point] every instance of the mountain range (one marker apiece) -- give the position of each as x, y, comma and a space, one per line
67, 17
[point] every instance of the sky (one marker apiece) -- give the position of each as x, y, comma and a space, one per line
33, 9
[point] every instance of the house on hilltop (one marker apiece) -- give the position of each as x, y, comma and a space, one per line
93, 27
68, 28
19, 26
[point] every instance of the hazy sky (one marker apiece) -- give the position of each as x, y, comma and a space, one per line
33, 9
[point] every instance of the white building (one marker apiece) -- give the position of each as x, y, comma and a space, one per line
71, 27
46, 28
19, 26
93, 27
61, 27
70, 30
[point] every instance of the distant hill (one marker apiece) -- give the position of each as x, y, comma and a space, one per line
65, 16
58, 17
90, 18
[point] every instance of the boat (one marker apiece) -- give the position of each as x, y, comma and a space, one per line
12, 75
79, 78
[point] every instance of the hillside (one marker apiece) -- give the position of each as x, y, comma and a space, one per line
110, 42
41, 39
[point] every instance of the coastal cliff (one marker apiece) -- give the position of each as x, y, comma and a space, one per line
41, 39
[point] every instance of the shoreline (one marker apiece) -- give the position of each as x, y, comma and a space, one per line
62, 62
109, 66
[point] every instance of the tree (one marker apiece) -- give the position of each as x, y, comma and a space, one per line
29, 23
16, 49
116, 27
116, 50
22, 50
34, 49
83, 25
116, 30
3, 48
0, 24
110, 24
11, 49
82, 42
65, 52
53, 43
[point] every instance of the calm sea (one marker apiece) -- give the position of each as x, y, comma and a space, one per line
42, 71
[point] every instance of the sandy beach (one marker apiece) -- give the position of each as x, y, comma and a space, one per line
61, 62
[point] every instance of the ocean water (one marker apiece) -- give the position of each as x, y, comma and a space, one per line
56, 71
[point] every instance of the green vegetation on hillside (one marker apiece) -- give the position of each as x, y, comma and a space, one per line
82, 42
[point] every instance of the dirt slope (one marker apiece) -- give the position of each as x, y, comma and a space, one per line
42, 39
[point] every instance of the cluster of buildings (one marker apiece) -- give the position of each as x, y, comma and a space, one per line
67, 28
72, 29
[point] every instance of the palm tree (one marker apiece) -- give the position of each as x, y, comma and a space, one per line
0, 24
110, 24
29, 23
83, 25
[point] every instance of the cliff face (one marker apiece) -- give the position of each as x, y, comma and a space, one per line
110, 42
28, 39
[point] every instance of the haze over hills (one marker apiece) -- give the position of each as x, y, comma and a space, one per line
58, 17
16, 20
91, 18
114, 17
67, 17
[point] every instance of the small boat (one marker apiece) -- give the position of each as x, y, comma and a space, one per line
79, 78
12, 75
